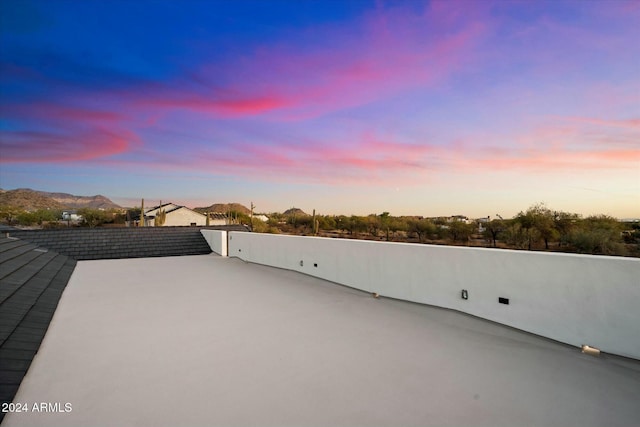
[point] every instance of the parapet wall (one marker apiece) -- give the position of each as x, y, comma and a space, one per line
575, 299
217, 240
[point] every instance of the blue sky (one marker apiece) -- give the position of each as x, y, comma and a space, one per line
347, 107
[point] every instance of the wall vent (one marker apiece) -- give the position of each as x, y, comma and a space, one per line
503, 300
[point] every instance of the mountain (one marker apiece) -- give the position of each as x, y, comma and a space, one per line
28, 199
225, 207
295, 211
77, 202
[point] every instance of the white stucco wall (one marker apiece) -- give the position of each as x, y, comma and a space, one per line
216, 221
575, 299
184, 217
217, 240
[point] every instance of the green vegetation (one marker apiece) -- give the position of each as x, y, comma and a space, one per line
161, 218
537, 228
40, 217
52, 218
92, 217
598, 235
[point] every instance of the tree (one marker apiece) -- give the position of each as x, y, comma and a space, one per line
514, 235
537, 223
38, 217
385, 222
133, 213
343, 223
93, 217
564, 223
47, 215
326, 222
302, 221
240, 217
373, 224
27, 218
422, 228
119, 217
526, 222
631, 237
9, 214
544, 223
493, 229
397, 224
260, 227
275, 218
599, 234
357, 224
460, 231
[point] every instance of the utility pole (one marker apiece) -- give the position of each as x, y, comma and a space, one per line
142, 214
315, 223
252, 207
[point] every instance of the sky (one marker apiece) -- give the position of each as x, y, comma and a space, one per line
347, 107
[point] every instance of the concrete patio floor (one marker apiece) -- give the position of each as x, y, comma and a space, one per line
204, 340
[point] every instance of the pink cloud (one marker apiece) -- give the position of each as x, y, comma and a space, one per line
370, 154
626, 124
45, 147
558, 145
388, 52
64, 133
567, 144
563, 161
226, 107
365, 158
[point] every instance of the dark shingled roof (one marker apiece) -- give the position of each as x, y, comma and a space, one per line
31, 283
36, 265
123, 242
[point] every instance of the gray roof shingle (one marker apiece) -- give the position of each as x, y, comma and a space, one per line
123, 242
31, 282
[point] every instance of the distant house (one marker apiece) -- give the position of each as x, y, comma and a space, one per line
459, 218
176, 215
262, 218
217, 218
152, 212
71, 216
481, 222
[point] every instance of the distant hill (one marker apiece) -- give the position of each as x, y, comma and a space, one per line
28, 199
225, 207
76, 202
295, 211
